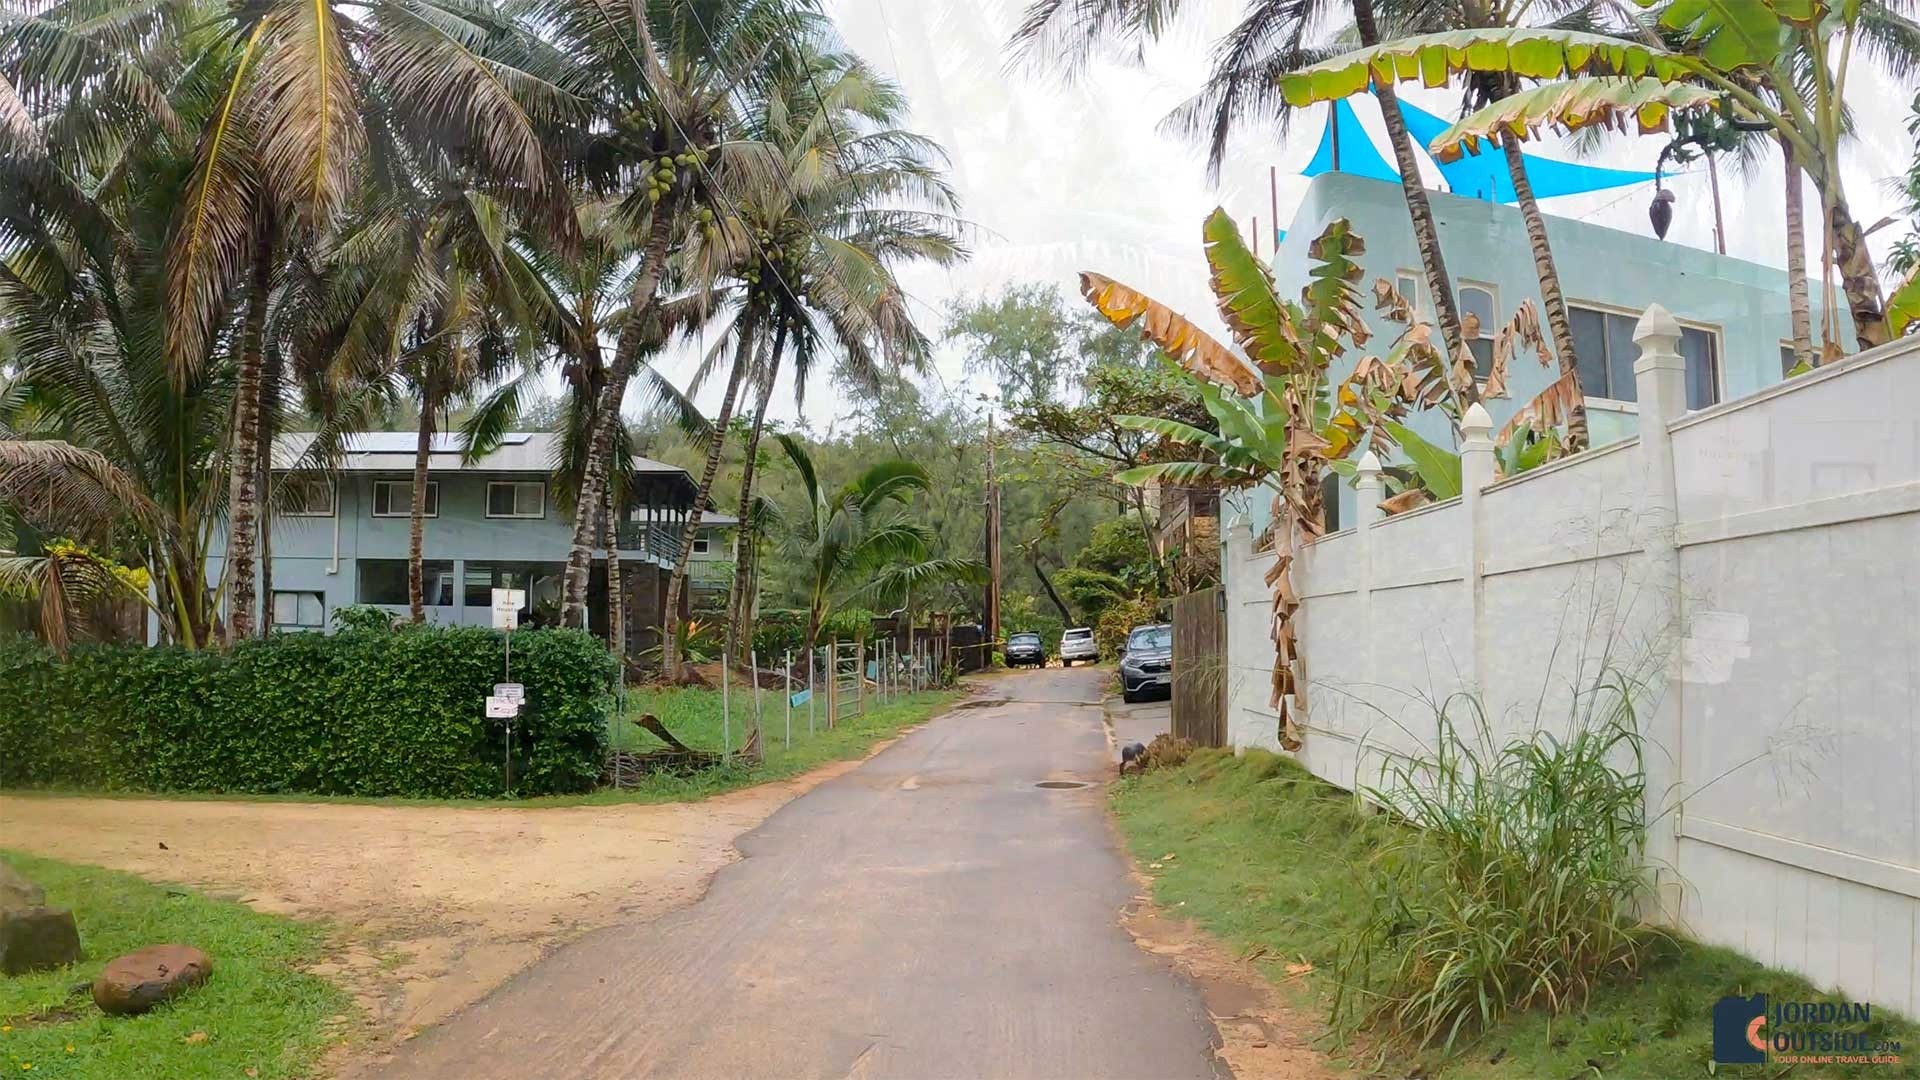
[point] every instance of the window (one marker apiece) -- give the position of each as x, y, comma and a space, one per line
1476, 326
299, 610
1604, 350
701, 545
384, 581
1786, 358
516, 499
1330, 501
306, 496
394, 498
1150, 637
1407, 284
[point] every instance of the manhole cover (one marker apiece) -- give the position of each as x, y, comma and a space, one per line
1059, 784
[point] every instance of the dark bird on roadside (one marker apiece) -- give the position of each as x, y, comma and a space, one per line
1134, 754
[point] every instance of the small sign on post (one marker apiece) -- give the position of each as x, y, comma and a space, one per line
502, 708
506, 608
512, 691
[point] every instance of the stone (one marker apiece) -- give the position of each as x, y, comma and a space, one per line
18, 892
37, 938
136, 982
33, 936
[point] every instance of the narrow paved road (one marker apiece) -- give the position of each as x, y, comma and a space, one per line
931, 914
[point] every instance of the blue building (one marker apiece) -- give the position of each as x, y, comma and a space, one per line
1734, 313
341, 538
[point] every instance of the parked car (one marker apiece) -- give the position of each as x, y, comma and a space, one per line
1026, 650
1077, 644
1147, 665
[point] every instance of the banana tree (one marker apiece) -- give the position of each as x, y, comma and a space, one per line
1604, 80
1283, 418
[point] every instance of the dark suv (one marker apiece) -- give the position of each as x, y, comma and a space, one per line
1026, 649
1147, 665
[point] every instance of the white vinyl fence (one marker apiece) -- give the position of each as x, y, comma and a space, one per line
1757, 562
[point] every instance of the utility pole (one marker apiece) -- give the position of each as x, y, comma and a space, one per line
993, 539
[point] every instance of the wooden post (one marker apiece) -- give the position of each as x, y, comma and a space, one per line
726, 716
789, 699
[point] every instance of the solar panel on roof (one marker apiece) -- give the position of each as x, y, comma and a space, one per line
404, 442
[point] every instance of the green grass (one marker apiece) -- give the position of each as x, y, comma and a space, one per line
262, 1015
1274, 862
692, 715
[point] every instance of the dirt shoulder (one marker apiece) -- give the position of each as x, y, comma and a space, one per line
432, 907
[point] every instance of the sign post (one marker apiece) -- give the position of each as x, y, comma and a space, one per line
504, 704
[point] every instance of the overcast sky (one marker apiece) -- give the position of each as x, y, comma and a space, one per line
1062, 176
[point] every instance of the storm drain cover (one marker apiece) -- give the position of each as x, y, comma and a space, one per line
1059, 784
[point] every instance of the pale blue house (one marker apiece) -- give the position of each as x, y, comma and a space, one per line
341, 537
1733, 313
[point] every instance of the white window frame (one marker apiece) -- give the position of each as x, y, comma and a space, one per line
1719, 352
517, 485
1487, 330
701, 545
1419, 286
333, 498
406, 510
273, 604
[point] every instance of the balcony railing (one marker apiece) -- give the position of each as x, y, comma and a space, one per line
657, 539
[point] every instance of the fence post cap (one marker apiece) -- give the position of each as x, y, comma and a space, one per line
1476, 420
1654, 322
1369, 466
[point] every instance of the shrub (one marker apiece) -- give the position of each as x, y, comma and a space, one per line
1522, 885
776, 631
847, 624
357, 713
1110, 633
1168, 751
363, 617
1089, 592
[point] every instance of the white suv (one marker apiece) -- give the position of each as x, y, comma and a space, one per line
1077, 644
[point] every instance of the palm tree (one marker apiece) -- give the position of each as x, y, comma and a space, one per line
851, 195
312, 99
851, 548
1273, 38
580, 297
122, 445
663, 78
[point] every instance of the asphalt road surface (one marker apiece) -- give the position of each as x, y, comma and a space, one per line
932, 913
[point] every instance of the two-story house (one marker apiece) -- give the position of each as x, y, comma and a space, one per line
341, 537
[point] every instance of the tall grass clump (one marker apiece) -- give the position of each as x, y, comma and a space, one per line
1519, 886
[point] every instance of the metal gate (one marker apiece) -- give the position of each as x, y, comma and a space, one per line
1200, 668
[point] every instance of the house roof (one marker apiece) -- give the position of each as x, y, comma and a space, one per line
392, 452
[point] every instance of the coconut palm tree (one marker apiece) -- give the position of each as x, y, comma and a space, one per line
851, 196
1273, 38
852, 548
663, 78
122, 444
314, 100
581, 297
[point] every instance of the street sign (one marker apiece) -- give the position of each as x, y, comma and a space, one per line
506, 608
502, 708
512, 691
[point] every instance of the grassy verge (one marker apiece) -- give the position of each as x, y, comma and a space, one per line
259, 1017
1273, 862
692, 715
695, 718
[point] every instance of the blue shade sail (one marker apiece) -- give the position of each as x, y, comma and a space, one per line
1357, 155
1484, 175
1475, 176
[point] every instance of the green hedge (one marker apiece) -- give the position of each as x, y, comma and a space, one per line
356, 713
